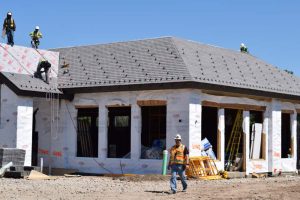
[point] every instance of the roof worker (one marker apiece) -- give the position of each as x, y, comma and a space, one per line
45, 65
35, 37
9, 27
243, 48
179, 161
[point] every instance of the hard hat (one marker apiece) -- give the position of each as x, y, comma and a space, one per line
178, 137
242, 45
9, 13
37, 27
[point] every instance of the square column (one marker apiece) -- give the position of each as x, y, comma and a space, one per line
136, 126
265, 135
294, 136
274, 152
102, 132
221, 137
246, 138
195, 112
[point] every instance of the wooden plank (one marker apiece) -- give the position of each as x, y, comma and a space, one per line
264, 152
86, 106
287, 111
211, 104
231, 94
219, 145
292, 148
152, 102
234, 106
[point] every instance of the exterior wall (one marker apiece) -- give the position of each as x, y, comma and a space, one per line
59, 150
16, 122
57, 142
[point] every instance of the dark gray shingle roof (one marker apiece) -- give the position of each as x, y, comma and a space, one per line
169, 60
26, 84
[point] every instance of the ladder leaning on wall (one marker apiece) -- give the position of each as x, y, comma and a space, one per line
233, 145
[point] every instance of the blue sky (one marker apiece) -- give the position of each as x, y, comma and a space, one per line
270, 28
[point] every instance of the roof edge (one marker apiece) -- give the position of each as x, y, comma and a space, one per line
182, 85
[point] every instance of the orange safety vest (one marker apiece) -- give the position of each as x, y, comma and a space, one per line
177, 155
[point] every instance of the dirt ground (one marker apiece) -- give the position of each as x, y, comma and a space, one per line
148, 187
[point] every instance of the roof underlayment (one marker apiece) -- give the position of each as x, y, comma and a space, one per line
18, 64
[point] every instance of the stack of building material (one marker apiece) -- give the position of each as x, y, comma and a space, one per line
207, 149
16, 156
255, 148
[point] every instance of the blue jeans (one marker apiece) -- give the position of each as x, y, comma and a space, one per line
175, 168
10, 36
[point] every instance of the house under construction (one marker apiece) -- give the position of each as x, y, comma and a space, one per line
113, 108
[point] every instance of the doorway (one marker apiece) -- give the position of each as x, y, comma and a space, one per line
35, 141
234, 140
119, 139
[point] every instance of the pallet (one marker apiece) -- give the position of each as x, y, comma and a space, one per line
202, 167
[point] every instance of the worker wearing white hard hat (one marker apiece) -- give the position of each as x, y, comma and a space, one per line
9, 27
243, 48
179, 161
35, 37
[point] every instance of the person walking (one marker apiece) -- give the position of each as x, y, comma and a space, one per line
9, 27
178, 163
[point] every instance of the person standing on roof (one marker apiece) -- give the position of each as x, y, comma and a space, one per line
179, 161
35, 37
9, 27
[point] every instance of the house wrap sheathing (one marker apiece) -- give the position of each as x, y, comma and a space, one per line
125, 82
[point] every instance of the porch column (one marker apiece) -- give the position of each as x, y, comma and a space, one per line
136, 124
265, 135
274, 152
221, 136
102, 132
294, 137
246, 133
195, 117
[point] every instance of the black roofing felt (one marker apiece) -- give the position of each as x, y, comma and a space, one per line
168, 60
27, 85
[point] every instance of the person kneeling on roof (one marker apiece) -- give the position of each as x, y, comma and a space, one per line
243, 48
43, 64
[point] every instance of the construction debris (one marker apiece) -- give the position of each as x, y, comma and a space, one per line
255, 175
35, 175
4, 168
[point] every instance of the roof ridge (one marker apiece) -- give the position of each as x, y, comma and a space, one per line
109, 43
185, 64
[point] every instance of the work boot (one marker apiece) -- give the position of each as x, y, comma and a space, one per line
172, 192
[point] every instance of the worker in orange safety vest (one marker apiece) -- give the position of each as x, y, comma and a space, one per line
179, 161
